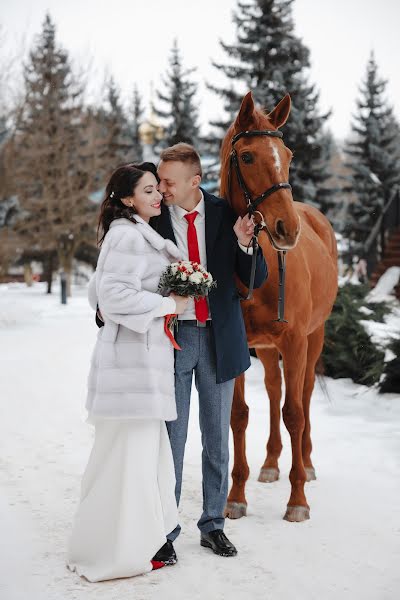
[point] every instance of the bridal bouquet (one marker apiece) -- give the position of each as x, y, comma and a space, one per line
184, 278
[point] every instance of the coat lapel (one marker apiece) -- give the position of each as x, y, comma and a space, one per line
161, 243
213, 215
154, 238
163, 225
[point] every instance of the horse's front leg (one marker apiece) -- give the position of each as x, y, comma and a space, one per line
236, 505
294, 352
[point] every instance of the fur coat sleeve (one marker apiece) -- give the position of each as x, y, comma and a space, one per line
128, 273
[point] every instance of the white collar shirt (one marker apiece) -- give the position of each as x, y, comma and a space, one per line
180, 227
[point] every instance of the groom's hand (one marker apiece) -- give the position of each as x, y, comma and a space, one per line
244, 229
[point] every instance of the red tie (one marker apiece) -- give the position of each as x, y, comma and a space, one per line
200, 305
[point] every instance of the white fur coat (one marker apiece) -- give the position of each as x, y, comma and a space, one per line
132, 368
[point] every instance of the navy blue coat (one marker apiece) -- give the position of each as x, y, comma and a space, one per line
224, 260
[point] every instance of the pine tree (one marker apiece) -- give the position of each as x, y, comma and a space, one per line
56, 155
349, 350
373, 155
391, 380
137, 115
271, 61
119, 140
180, 111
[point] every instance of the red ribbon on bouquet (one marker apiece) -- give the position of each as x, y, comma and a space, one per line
169, 321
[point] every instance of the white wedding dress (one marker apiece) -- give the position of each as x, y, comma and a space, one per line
127, 500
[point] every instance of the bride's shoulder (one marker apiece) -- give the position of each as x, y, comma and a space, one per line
123, 234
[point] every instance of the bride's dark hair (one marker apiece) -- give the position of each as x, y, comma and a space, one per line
122, 184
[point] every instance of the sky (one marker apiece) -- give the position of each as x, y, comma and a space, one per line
131, 40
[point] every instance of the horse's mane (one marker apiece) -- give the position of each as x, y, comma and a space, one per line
259, 120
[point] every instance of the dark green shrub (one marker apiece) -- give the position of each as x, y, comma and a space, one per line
348, 350
391, 380
379, 309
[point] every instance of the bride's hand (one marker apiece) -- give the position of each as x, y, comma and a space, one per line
181, 303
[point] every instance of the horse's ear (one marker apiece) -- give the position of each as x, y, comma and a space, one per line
246, 111
279, 115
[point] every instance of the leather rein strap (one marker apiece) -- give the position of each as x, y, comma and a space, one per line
252, 205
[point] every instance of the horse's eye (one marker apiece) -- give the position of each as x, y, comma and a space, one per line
247, 158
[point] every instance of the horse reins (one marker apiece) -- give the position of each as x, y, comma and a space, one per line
252, 205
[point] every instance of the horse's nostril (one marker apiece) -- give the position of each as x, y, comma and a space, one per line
280, 228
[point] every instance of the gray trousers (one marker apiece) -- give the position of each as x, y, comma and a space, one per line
215, 403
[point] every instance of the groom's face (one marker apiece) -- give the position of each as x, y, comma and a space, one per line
177, 182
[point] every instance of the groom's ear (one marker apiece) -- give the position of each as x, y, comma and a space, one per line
196, 180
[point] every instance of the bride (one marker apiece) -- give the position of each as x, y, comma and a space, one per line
127, 503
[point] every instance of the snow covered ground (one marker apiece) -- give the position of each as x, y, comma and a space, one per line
350, 549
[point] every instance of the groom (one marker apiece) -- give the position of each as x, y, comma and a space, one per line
210, 332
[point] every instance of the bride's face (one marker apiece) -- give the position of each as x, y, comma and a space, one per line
146, 198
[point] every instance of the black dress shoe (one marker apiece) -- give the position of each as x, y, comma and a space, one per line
218, 542
166, 554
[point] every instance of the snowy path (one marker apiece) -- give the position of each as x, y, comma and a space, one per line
350, 549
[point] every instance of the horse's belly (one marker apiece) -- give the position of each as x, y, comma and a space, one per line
262, 329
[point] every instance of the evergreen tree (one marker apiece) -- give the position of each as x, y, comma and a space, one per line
349, 350
391, 379
56, 156
373, 155
119, 141
180, 111
137, 115
271, 61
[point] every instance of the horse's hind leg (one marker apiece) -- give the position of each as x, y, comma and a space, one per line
236, 505
273, 382
315, 344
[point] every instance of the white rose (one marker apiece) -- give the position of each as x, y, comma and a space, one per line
196, 278
183, 276
174, 269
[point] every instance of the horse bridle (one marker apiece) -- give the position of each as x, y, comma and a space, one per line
252, 205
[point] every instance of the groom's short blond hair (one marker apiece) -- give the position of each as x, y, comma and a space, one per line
185, 153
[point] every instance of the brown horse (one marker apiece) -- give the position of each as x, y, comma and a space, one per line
311, 286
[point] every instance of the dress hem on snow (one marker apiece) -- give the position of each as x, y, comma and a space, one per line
127, 502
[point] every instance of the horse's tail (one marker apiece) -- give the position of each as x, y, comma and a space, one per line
320, 377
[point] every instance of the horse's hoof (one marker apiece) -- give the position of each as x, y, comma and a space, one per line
297, 514
235, 510
268, 475
310, 474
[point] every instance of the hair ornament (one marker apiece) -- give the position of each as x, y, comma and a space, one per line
112, 194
